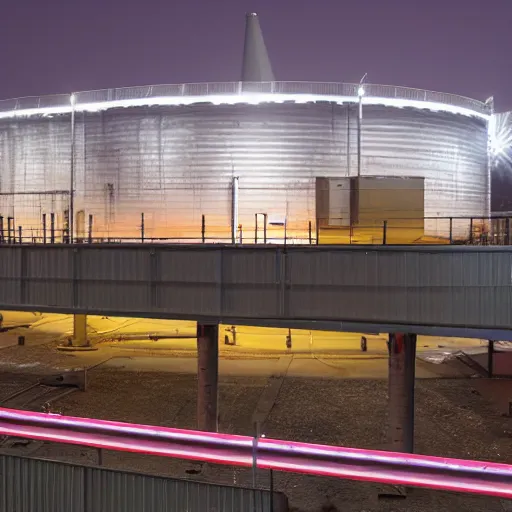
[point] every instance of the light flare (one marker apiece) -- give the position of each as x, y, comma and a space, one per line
500, 139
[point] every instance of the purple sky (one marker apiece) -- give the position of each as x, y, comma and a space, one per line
55, 46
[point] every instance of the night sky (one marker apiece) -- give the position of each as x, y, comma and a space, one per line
60, 46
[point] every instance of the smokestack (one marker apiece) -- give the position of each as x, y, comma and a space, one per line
256, 65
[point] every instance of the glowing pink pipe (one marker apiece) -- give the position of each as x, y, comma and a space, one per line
370, 465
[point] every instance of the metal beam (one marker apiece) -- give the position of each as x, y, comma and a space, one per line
377, 289
207, 377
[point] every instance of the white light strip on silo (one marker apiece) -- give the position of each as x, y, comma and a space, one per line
252, 99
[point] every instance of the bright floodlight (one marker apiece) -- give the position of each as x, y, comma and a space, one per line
72, 99
360, 91
500, 139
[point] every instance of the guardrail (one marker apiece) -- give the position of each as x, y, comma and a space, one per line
494, 230
391, 468
236, 88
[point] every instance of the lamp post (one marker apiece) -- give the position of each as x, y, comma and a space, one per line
71, 215
360, 94
234, 208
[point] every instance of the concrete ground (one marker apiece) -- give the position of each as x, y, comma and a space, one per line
330, 394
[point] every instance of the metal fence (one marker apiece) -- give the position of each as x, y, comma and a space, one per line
31, 485
235, 88
394, 231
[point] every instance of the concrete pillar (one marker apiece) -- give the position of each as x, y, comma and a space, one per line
402, 360
78, 341
79, 338
207, 377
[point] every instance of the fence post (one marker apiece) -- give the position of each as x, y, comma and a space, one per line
240, 232
451, 230
44, 228
265, 228
471, 230
20, 234
2, 235
89, 229
10, 229
52, 228
384, 232
317, 230
142, 228
507, 231
203, 229
490, 359
255, 228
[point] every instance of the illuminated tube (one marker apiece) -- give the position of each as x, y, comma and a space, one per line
248, 98
350, 463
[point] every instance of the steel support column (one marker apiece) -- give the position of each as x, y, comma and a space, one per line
79, 338
207, 377
402, 360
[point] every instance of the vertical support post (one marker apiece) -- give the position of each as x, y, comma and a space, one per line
2, 234
507, 231
89, 229
310, 232
384, 232
203, 229
71, 219
79, 232
402, 364
207, 377
52, 228
20, 234
255, 453
348, 139
255, 228
271, 490
359, 130
451, 230
66, 231
490, 359
265, 220
471, 230
142, 228
44, 228
10, 229
317, 230
240, 232
79, 331
234, 208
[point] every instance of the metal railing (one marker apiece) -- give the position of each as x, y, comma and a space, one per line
240, 88
494, 230
390, 468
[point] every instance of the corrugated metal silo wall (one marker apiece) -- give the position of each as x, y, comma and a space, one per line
32, 485
175, 164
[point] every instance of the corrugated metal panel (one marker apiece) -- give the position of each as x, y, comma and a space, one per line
251, 282
10, 272
188, 280
48, 275
176, 163
30, 485
96, 272
450, 286
402, 286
